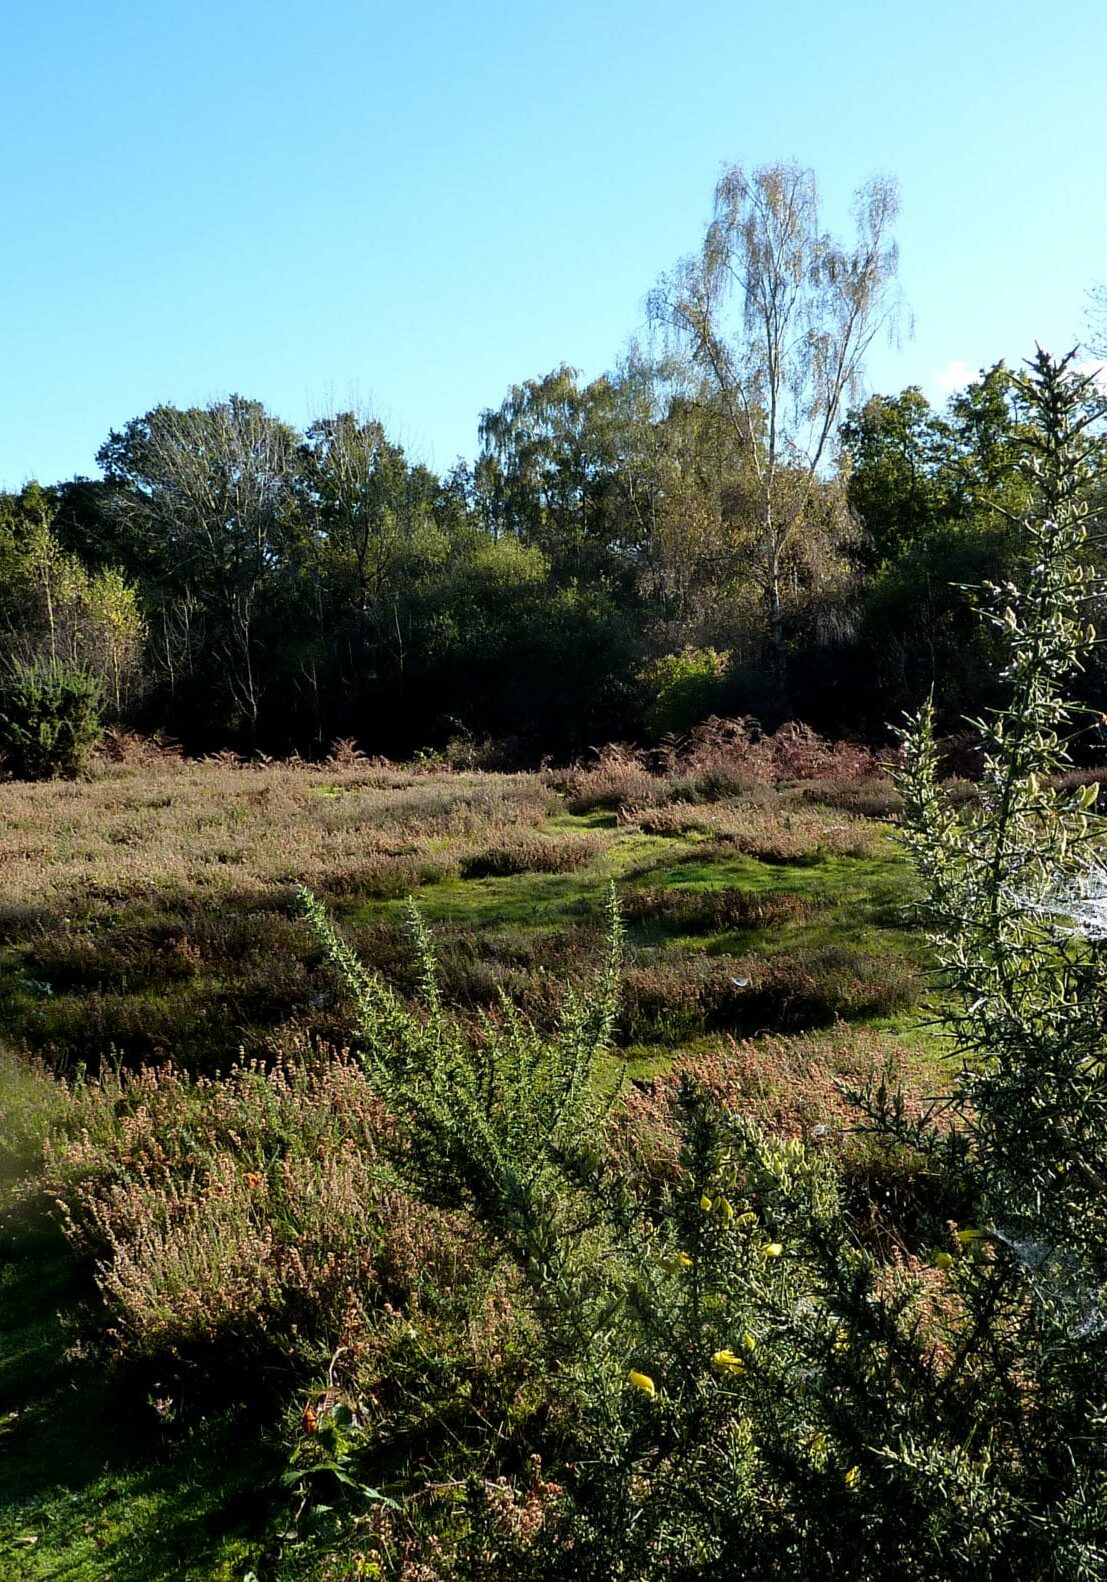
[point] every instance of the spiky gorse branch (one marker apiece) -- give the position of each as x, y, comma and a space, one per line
504, 1119
1013, 885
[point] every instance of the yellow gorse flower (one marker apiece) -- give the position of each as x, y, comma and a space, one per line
642, 1381
772, 1249
728, 1362
851, 1477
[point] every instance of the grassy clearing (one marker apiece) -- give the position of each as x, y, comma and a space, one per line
147, 918
147, 913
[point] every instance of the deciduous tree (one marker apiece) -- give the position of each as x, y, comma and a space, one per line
207, 491
778, 316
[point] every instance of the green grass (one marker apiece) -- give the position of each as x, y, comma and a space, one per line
863, 901
90, 1489
859, 905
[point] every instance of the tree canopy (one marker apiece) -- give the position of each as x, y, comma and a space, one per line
724, 515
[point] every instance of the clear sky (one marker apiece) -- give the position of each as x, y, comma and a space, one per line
413, 206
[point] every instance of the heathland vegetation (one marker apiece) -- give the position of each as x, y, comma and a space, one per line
435, 1147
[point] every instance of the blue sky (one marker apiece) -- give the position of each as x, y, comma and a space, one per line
412, 207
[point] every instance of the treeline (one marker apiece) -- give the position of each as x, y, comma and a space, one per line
720, 527
235, 582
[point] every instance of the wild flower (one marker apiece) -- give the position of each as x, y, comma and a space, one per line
728, 1361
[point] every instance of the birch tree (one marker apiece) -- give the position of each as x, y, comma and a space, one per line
779, 316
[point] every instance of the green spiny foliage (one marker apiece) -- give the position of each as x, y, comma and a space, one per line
1013, 883
502, 1119
50, 718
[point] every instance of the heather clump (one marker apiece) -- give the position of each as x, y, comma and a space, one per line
532, 854
768, 828
618, 777
796, 1086
714, 911
251, 1212
201, 829
683, 996
720, 759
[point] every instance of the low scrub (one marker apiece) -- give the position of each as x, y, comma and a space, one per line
769, 829
670, 998
717, 760
253, 1213
531, 854
617, 779
694, 911
875, 798
794, 1085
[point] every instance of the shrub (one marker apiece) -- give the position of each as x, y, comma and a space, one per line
868, 798
251, 1211
684, 688
616, 779
715, 911
531, 854
772, 830
670, 998
50, 719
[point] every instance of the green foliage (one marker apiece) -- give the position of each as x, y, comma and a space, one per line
504, 1120
301, 587
1002, 878
899, 479
685, 688
50, 719
54, 608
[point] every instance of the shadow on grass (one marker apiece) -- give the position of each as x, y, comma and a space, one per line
158, 973
93, 1491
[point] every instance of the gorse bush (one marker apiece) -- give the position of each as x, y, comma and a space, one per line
752, 1374
50, 718
503, 1120
685, 688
